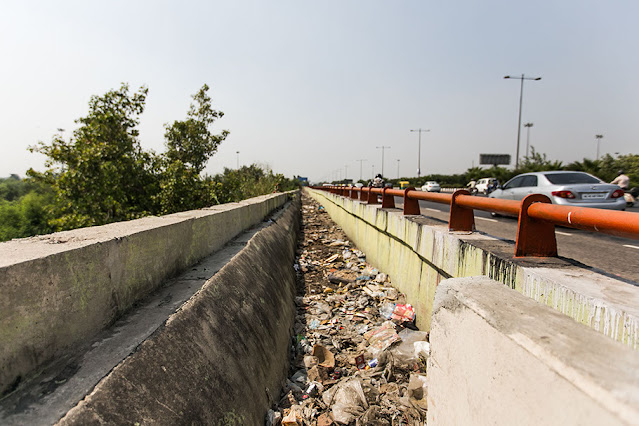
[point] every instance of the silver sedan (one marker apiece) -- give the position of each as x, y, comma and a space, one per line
577, 189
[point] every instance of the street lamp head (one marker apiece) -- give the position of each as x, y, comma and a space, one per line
538, 78
506, 76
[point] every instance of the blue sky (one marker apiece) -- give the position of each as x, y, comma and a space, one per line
308, 88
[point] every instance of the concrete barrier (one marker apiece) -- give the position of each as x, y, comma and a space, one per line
58, 290
419, 252
498, 357
222, 358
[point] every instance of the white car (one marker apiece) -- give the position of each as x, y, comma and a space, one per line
486, 185
431, 186
568, 188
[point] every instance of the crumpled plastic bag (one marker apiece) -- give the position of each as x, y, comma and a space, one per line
409, 351
381, 338
347, 400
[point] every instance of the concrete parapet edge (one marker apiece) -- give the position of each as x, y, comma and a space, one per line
58, 290
223, 356
419, 253
498, 357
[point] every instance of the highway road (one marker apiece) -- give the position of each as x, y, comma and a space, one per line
611, 255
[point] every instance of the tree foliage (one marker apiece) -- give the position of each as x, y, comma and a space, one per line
25, 208
190, 141
189, 146
249, 181
101, 174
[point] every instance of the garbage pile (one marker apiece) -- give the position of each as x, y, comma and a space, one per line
356, 356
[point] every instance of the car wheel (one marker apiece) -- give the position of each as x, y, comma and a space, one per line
493, 214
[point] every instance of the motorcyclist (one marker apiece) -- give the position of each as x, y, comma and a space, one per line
378, 182
471, 186
622, 180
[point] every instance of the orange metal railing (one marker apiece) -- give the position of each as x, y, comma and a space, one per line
537, 216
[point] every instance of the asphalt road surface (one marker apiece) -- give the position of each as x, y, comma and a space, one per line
612, 255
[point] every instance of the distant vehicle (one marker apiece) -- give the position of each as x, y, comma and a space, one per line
359, 185
486, 185
431, 186
577, 189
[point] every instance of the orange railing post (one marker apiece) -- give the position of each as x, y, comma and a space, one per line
388, 200
372, 197
411, 205
534, 237
460, 218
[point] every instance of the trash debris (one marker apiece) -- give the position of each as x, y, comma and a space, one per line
403, 313
356, 356
324, 356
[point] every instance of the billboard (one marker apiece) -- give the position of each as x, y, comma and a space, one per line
494, 159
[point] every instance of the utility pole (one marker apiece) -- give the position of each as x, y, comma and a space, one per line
383, 148
419, 150
528, 125
598, 138
360, 167
521, 97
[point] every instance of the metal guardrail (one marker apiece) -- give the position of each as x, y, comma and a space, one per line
537, 216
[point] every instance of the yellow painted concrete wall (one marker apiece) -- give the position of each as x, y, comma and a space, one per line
418, 255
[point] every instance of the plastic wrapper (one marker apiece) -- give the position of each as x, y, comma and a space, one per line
403, 313
381, 338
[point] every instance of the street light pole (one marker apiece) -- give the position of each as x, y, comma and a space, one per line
528, 125
419, 150
360, 167
598, 137
383, 148
398, 168
521, 97
238, 159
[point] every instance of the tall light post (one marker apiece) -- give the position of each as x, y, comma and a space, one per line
373, 166
419, 150
238, 159
360, 167
521, 97
598, 138
398, 168
528, 125
383, 148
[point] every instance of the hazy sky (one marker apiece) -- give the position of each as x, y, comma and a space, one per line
308, 87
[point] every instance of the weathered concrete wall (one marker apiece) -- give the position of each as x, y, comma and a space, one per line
219, 360
58, 290
418, 253
498, 357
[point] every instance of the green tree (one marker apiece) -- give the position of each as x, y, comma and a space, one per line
190, 144
249, 181
101, 174
537, 162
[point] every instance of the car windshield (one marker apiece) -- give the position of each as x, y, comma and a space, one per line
568, 178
